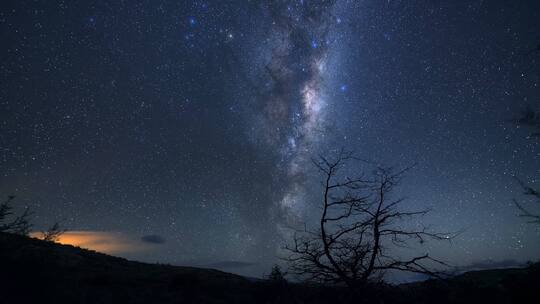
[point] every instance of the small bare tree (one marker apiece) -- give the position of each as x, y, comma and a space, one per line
359, 223
53, 233
19, 224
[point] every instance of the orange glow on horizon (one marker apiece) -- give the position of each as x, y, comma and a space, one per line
105, 242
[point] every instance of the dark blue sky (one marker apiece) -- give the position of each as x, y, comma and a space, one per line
193, 122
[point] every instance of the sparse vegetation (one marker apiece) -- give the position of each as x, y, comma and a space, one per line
360, 222
276, 275
11, 223
53, 233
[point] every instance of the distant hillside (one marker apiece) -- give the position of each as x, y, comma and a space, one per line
510, 285
34, 271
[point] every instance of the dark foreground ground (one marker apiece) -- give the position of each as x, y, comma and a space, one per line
34, 271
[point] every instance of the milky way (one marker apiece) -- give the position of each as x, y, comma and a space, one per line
294, 104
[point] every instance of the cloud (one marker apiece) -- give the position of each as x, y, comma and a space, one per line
115, 243
489, 264
153, 239
230, 264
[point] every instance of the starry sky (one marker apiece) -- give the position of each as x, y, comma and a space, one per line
182, 131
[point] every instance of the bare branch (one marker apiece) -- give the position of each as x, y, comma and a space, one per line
358, 220
534, 194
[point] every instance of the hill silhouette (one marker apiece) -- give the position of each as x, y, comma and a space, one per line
35, 271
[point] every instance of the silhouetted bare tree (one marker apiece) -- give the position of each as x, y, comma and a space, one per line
532, 193
19, 224
531, 119
359, 224
53, 233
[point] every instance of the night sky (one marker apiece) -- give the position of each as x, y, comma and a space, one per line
182, 131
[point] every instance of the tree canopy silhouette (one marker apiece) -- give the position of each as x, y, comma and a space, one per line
359, 225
